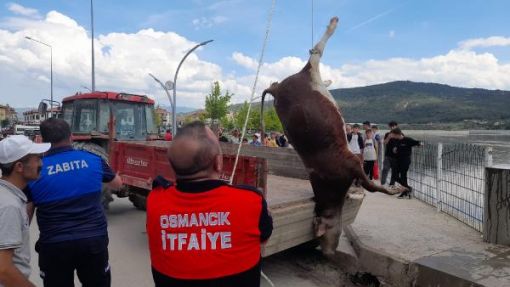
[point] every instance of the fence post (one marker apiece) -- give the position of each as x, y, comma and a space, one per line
496, 224
488, 156
439, 175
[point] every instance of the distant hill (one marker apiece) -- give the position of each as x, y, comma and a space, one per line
424, 105
180, 110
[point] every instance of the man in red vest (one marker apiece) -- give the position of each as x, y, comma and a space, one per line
203, 231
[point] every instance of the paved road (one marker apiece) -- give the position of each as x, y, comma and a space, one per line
129, 256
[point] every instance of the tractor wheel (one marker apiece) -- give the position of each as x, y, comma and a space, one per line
92, 148
101, 152
138, 200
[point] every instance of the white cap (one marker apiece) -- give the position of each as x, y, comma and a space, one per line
17, 146
257, 135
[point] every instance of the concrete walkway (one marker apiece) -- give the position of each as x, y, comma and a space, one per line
408, 243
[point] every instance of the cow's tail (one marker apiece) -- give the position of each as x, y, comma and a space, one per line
271, 90
369, 184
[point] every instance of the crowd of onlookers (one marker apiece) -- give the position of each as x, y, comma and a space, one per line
273, 139
380, 155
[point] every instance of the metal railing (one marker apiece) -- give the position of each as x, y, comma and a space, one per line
451, 178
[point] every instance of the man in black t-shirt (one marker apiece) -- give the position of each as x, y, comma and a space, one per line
402, 147
389, 158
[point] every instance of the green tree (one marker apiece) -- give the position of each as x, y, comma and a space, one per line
272, 121
157, 118
216, 104
240, 116
227, 123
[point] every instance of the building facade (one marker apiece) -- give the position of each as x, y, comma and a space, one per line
8, 113
163, 117
33, 117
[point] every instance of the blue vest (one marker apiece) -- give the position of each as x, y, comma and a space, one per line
68, 196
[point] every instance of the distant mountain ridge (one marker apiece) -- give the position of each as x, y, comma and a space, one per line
422, 103
179, 110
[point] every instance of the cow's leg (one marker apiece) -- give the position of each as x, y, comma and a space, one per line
329, 228
314, 60
329, 200
318, 49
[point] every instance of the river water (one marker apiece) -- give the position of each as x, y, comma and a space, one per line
498, 140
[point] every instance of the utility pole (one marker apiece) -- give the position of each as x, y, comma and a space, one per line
92, 39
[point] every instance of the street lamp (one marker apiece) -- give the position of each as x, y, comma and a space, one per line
51, 70
169, 85
174, 106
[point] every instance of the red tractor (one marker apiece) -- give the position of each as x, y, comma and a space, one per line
98, 119
121, 129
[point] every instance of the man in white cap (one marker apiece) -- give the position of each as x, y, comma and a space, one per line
20, 163
256, 140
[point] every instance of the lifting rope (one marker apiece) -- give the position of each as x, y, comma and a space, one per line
252, 98
243, 133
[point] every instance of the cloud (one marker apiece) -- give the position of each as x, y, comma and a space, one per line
23, 11
457, 67
485, 42
123, 61
204, 22
244, 61
391, 34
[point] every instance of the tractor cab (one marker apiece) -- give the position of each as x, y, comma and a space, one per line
91, 115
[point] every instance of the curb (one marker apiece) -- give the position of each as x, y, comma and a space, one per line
399, 272
395, 271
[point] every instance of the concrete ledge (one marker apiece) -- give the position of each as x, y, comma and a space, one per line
455, 267
395, 271
431, 276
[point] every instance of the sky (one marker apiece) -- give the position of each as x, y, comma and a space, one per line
462, 43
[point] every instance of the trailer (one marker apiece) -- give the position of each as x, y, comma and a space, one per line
277, 172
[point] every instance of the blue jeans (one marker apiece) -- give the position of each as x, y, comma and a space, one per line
387, 166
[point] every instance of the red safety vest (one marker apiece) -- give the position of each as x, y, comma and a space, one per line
203, 235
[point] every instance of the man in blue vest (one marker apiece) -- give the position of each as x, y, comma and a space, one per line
72, 224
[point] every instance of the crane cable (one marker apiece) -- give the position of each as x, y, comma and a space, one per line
243, 133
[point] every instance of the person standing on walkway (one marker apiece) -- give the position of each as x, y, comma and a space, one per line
72, 224
379, 147
366, 126
20, 163
203, 231
369, 154
403, 151
355, 142
389, 157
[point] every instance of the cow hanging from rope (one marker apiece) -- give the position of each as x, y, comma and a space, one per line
316, 129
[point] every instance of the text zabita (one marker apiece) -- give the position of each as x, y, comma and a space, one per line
66, 166
202, 240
